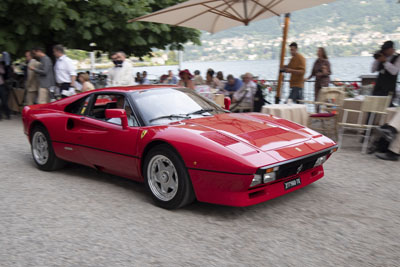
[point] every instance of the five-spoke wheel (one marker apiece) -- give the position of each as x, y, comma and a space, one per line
42, 150
167, 178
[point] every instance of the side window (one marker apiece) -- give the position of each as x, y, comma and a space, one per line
132, 121
101, 102
111, 101
78, 107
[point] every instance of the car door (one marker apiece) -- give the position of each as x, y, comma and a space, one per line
107, 145
65, 134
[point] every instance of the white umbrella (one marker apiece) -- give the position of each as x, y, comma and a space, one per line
217, 15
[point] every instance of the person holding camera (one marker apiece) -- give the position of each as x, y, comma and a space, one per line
297, 69
387, 63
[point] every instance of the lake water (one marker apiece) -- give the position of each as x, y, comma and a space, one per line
343, 68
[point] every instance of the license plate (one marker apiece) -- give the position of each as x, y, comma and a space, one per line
292, 183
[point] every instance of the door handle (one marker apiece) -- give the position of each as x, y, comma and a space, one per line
82, 118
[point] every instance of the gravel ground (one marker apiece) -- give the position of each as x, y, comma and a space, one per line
79, 217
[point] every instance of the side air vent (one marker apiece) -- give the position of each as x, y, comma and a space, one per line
219, 138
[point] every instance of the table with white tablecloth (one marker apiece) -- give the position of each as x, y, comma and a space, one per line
293, 112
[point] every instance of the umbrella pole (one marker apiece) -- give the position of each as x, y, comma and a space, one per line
283, 52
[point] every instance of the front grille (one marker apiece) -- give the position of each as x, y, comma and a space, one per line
292, 168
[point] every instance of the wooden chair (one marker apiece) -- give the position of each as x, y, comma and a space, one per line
329, 102
371, 107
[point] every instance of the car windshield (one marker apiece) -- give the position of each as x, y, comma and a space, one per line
165, 105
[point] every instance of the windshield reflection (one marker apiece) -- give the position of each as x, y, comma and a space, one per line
165, 105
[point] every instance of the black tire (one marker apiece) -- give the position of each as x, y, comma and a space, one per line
184, 194
52, 162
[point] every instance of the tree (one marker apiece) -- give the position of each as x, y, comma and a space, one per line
79, 23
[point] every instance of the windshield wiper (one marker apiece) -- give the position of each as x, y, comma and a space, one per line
200, 111
170, 117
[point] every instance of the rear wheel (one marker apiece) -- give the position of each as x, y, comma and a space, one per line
167, 178
42, 150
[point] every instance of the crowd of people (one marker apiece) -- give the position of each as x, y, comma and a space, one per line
44, 81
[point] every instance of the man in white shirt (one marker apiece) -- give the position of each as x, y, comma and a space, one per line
122, 73
387, 62
64, 69
244, 97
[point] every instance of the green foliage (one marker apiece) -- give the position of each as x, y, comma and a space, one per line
77, 23
77, 54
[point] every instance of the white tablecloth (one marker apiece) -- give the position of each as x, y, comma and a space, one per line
293, 112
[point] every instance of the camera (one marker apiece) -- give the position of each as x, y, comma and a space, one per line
378, 54
282, 70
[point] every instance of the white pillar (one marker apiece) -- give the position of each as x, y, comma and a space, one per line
180, 59
92, 62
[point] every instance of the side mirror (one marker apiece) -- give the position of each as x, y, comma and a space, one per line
227, 103
118, 113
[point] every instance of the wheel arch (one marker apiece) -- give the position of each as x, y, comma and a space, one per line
153, 144
33, 125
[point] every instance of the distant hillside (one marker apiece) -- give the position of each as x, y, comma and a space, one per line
345, 27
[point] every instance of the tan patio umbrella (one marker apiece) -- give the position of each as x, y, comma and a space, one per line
217, 15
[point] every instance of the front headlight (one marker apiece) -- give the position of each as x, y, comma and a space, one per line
256, 180
269, 177
320, 161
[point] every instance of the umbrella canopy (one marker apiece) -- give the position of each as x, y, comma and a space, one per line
217, 15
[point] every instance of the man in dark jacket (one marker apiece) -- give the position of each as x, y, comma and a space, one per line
387, 62
45, 73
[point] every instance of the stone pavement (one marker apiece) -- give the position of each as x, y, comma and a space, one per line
79, 217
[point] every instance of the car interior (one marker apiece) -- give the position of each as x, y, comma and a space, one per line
98, 110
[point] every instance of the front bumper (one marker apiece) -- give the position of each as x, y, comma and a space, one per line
233, 189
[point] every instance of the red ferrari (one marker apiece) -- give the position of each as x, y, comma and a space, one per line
181, 145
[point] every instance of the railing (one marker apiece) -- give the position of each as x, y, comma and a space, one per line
308, 90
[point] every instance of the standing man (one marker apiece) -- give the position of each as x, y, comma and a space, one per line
45, 73
32, 82
64, 69
387, 62
122, 72
297, 69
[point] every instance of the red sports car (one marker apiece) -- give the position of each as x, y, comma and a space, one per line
181, 145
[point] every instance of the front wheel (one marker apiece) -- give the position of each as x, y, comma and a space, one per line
167, 179
42, 150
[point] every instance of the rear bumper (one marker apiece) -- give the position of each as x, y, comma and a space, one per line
233, 189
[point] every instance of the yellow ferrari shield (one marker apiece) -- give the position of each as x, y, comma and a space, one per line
143, 134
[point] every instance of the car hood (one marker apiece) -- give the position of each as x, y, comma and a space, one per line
261, 131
